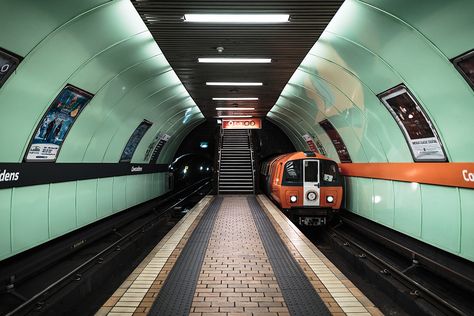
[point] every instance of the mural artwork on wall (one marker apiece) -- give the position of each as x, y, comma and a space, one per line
337, 141
134, 140
417, 128
56, 123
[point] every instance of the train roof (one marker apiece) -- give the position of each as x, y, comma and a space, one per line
301, 155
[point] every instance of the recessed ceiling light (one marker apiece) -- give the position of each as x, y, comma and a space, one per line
237, 18
235, 109
234, 99
236, 60
234, 83
233, 116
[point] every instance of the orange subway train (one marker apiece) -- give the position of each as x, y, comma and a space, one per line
306, 185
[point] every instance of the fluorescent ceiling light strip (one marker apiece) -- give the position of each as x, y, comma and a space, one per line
234, 116
237, 18
235, 99
235, 109
234, 83
236, 60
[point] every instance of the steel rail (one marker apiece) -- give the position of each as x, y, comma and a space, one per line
96, 259
418, 255
435, 299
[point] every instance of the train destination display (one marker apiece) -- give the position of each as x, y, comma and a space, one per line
56, 123
414, 123
134, 140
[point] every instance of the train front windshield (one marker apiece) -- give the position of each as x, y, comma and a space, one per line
293, 173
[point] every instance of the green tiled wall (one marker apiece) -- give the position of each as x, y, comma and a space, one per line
369, 47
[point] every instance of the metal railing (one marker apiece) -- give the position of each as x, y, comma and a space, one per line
252, 159
221, 135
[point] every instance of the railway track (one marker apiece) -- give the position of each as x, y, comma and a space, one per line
92, 266
415, 279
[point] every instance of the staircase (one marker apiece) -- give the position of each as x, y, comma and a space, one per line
235, 162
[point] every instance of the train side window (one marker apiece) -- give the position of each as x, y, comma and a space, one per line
293, 173
465, 65
415, 124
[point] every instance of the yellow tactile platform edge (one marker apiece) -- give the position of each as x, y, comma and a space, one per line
132, 291
347, 296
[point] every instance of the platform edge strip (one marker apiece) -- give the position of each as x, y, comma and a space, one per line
300, 296
176, 295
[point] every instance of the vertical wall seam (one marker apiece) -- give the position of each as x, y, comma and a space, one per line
11, 220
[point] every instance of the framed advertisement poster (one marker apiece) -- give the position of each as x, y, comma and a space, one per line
134, 140
159, 146
8, 64
417, 128
56, 123
336, 140
313, 145
465, 65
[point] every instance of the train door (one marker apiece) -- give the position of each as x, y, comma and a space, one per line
311, 182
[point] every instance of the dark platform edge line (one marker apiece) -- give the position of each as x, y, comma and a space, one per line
177, 292
300, 296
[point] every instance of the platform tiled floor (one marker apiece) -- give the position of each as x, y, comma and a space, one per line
236, 276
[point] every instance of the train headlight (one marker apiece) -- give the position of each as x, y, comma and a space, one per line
330, 198
293, 199
311, 195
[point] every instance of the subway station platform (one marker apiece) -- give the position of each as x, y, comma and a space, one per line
236, 255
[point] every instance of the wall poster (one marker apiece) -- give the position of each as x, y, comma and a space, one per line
465, 65
417, 128
161, 143
315, 146
56, 123
337, 141
8, 64
134, 140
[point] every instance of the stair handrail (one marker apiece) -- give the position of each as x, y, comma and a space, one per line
249, 133
221, 139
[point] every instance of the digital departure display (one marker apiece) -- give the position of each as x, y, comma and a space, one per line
414, 123
134, 140
8, 64
56, 123
337, 141
465, 65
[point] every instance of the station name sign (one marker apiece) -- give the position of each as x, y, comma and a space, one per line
250, 123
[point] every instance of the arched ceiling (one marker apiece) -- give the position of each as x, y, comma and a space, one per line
285, 43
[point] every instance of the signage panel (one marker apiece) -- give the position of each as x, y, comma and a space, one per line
417, 128
56, 123
250, 123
